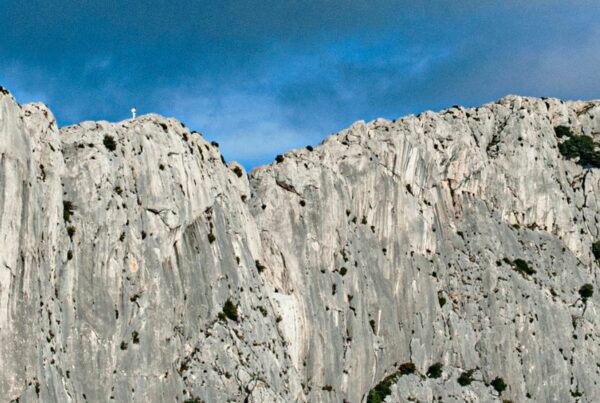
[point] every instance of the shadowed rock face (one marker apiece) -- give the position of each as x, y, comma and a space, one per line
136, 266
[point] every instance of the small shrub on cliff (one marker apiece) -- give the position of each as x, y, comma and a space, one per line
407, 368
466, 378
522, 267
586, 291
498, 384
373, 326
68, 208
110, 143
259, 266
238, 171
279, 158
374, 397
435, 371
382, 389
563, 131
596, 250
229, 311
582, 147
211, 237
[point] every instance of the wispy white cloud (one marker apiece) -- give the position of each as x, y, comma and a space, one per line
18, 78
250, 128
263, 77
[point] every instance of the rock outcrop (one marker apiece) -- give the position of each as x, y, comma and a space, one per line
389, 262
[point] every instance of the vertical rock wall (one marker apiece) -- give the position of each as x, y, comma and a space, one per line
136, 265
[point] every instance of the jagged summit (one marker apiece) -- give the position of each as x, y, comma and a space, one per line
440, 256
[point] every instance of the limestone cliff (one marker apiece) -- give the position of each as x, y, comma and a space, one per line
136, 265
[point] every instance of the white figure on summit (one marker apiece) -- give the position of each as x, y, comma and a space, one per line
133, 112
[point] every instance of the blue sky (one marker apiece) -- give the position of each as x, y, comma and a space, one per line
261, 77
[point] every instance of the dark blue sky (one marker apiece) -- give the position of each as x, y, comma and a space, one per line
261, 77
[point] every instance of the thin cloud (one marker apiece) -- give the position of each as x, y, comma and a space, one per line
249, 128
261, 77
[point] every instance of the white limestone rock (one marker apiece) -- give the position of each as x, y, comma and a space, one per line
391, 243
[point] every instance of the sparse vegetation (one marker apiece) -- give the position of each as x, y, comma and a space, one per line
279, 159
238, 171
71, 231
522, 267
259, 266
382, 389
309, 148
586, 291
596, 250
583, 148
373, 327
211, 237
110, 143
498, 384
435, 370
343, 271
563, 131
466, 378
68, 208
407, 368
229, 311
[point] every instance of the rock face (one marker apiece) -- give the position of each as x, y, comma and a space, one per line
137, 266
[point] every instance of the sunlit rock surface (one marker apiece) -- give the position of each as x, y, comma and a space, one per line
137, 265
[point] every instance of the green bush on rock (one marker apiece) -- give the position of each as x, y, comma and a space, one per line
596, 250
583, 148
435, 371
586, 291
